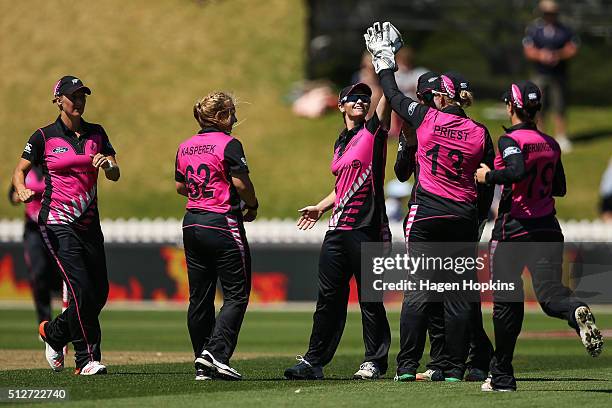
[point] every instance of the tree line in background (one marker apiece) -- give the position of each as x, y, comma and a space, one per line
480, 38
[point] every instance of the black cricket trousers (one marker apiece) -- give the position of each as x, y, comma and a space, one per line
340, 259
216, 249
79, 254
44, 275
451, 317
544, 259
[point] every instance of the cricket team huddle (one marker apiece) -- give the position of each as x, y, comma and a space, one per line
455, 168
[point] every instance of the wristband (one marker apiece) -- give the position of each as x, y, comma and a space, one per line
254, 208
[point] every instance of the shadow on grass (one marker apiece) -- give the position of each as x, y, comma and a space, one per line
553, 379
247, 379
535, 364
140, 373
603, 391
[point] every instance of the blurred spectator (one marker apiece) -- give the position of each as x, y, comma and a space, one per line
406, 77
397, 199
367, 75
549, 45
407, 74
312, 99
605, 190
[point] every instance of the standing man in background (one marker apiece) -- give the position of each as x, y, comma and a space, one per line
549, 45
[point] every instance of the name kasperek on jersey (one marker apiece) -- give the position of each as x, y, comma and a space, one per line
199, 149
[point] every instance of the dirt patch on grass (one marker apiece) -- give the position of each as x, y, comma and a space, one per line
11, 359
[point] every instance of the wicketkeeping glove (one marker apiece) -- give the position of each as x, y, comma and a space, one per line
379, 45
395, 37
373, 39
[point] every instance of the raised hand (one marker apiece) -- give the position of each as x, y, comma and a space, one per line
378, 43
373, 39
394, 36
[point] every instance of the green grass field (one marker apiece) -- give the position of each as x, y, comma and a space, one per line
553, 370
147, 62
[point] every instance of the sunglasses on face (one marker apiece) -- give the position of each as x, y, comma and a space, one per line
356, 97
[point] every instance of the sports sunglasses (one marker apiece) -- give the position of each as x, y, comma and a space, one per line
355, 97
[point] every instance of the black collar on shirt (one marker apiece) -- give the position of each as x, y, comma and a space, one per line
345, 137
455, 110
519, 126
67, 132
210, 129
77, 143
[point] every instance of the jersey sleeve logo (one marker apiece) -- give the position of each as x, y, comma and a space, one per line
243, 160
508, 151
28, 148
412, 107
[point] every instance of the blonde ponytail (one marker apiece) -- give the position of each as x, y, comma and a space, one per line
466, 98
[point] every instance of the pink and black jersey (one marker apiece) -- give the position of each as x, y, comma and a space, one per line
34, 181
70, 194
205, 163
528, 164
451, 147
359, 166
450, 150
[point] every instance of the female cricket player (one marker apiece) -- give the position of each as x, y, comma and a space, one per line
71, 151
444, 204
481, 349
44, 276
529, 167
358, 216
211, 171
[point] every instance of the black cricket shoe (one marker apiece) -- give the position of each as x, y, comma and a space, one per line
202, 372
304, 371
476, 375
220, 370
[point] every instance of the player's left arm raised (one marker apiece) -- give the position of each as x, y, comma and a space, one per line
383, 110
